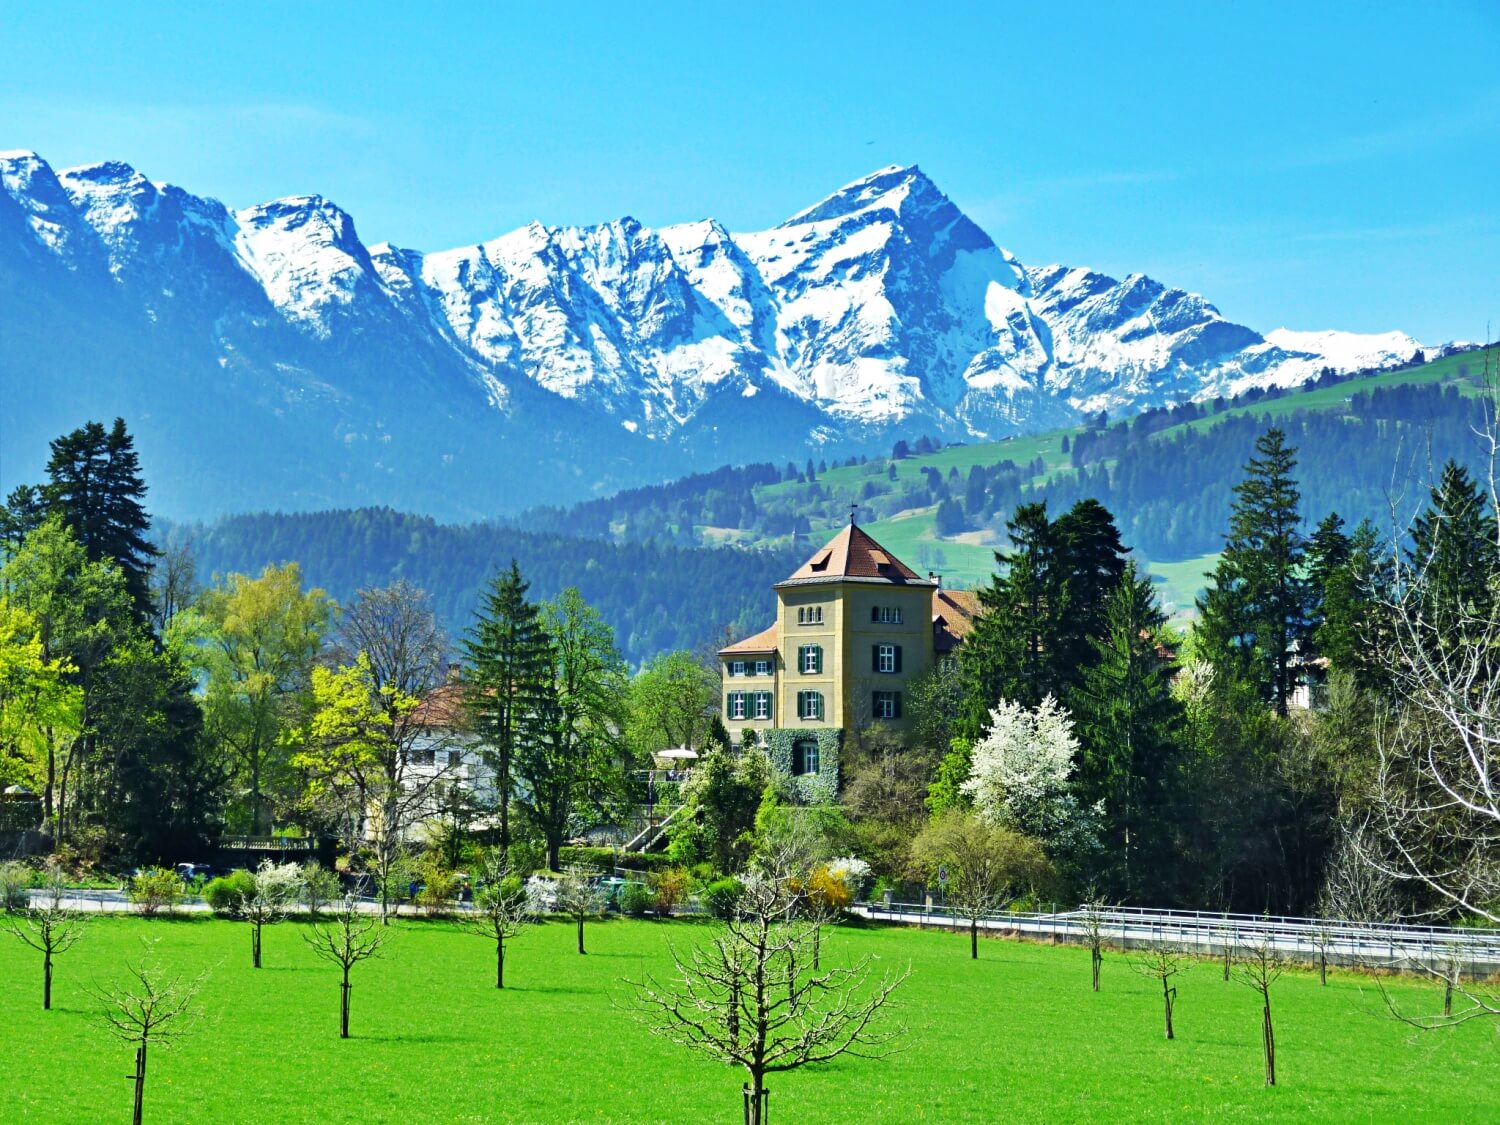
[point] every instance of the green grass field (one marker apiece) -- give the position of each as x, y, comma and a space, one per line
1016, 1036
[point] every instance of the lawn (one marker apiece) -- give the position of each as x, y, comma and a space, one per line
1016, 1036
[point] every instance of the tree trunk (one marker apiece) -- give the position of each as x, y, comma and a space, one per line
1096, 958
554, 855
500, 963
1323, 967
1269, 1037
1228, 950
344, 1007
140, 1084
817, 947
756, 1098
47, 980
1448, 996
974, 939
255, 944
1167, 996
580, 934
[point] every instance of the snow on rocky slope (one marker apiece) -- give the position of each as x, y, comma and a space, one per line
881, 309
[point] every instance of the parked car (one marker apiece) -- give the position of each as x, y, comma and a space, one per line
193, 872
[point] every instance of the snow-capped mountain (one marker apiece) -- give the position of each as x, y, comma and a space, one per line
270, 357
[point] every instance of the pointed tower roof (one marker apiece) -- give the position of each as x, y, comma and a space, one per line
853, 556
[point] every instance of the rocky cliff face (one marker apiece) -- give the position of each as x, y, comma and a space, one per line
269, 358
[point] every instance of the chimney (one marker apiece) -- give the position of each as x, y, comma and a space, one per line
455, 672
938, 578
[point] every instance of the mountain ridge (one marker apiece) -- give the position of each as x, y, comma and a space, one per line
555, 362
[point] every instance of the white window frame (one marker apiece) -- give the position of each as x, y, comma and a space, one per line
811, 754
809, 704
890, 615
736, 667
762, 667
809, 615
812, 660
885, 705
886, 658
761, 708
737, 709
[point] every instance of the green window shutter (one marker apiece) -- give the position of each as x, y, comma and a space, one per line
818, 659
896, 695
898, 658
728, 703
874, 614
874, 658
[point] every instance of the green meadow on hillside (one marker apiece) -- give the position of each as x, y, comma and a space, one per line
1015, 1036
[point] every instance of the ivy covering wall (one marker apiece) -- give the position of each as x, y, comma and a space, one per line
813, 788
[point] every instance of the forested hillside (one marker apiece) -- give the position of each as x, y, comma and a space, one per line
1367, 448
656, 597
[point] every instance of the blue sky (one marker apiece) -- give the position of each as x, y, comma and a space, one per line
1312, 165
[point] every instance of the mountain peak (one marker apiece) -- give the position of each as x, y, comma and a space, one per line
892, 188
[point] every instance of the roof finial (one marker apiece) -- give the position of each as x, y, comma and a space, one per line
852, 507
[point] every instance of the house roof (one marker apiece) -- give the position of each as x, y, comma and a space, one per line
953, 613
764, 641
442, 707
852, 555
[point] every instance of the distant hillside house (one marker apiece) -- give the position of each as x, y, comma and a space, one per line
854, 626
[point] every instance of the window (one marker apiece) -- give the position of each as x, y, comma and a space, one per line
885, 614
809, 705
736, 709
810, 657
887, 705
805, 756
455, 757
762, 667
887, 658
423, 757
762, 705
809, 615
737, 668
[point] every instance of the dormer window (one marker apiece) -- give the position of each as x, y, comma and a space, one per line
821, 562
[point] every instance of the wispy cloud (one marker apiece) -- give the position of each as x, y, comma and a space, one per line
1476, 122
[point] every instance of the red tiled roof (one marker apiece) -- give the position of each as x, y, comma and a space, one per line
442, 707
853, 554
764, 641
953, 613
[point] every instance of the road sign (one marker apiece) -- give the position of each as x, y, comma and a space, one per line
943, 876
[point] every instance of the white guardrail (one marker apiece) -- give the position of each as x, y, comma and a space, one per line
1377, 944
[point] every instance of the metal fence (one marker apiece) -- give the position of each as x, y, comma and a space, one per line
1373, 944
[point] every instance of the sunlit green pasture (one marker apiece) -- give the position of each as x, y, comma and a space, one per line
1016, 1036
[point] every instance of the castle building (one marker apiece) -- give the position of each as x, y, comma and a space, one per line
854, 626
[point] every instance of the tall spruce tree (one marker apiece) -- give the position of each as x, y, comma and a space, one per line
1126, 720
510, 678
1254, 615
95, 480
1091, 562
1454, 550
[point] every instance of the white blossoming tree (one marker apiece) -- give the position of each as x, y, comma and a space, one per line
1021, 778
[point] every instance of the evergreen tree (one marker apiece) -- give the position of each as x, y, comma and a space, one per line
1454, 550
95, 479
1354, 627
1091, 561
510, 676
1126, 721
1254, 615
1007, 655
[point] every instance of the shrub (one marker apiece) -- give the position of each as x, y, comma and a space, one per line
318, 887
672, 886
15, 878
721, 898
225, 894
603, 859
636, 899
525, 859
439, 889
156, 889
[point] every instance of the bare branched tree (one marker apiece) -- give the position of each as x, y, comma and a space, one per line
500, 911
149, 1010
1161, 962
48, 927
349, 938
1258, 964
579, 897
1094, 917
750, 998
273, 894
